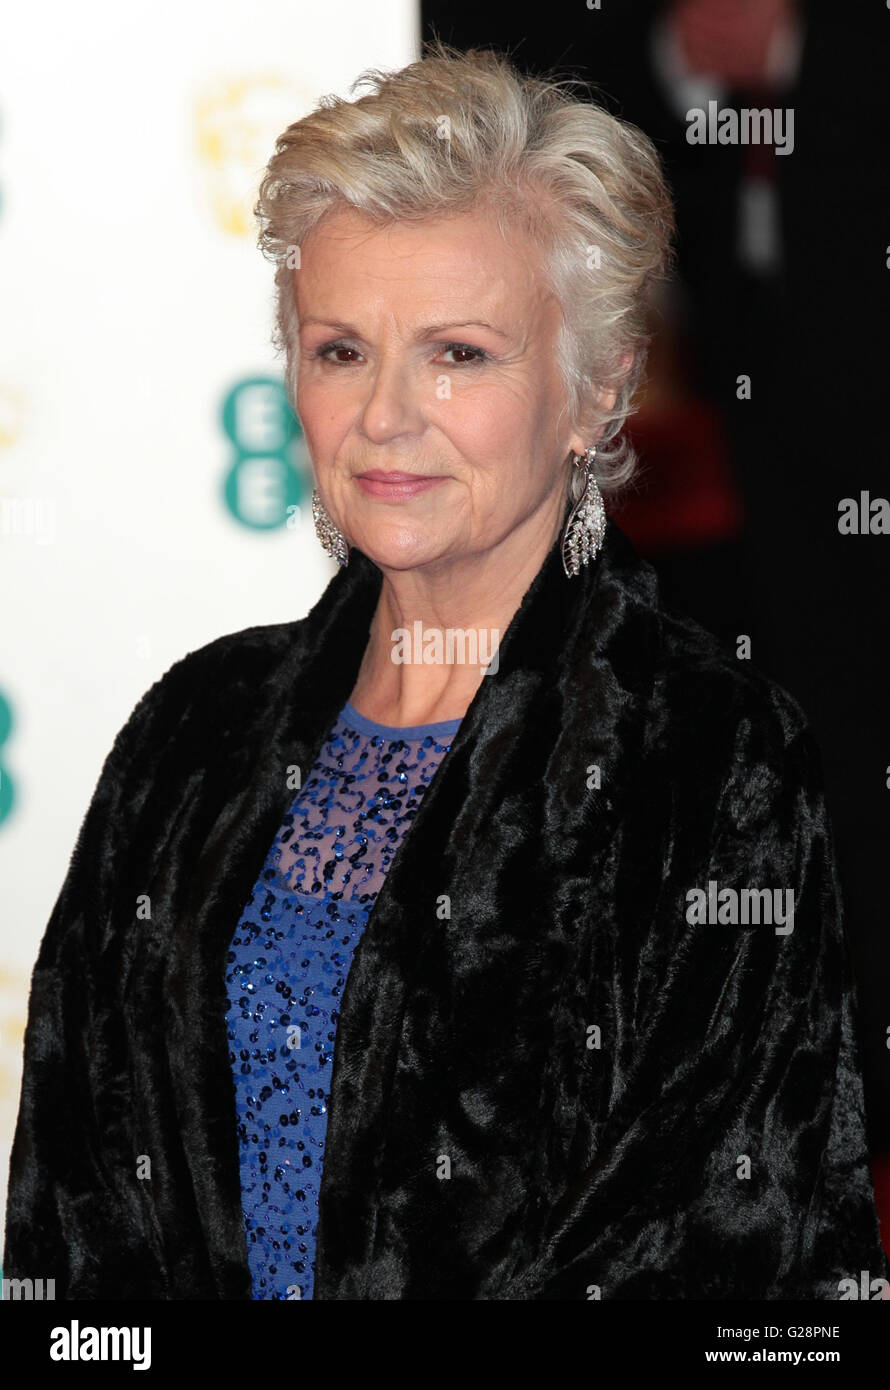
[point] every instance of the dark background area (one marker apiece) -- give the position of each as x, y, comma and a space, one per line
738, 502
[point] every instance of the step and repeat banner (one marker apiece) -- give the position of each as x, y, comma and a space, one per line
154, 483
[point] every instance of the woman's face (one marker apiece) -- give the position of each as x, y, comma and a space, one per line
429, 349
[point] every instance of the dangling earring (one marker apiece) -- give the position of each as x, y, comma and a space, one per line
586, 525
331, 537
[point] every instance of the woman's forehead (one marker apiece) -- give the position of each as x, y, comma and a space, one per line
441, 263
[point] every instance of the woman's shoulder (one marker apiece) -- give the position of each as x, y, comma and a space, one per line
713, 695
207, 690
702, 686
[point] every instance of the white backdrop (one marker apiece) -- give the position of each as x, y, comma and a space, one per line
133, 303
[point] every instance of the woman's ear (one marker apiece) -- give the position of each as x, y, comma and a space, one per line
605, 401
625, 364
608, 396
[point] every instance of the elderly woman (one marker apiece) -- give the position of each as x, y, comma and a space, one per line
477, 936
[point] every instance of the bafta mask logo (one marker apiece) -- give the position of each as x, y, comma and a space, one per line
237, 121
14, 984
12, 415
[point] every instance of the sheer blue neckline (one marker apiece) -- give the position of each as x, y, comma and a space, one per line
446, 728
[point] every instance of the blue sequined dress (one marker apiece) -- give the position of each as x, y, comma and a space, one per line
287, 966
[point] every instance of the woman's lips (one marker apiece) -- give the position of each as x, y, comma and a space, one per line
394, 486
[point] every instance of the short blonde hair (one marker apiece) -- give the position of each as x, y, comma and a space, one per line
457, 131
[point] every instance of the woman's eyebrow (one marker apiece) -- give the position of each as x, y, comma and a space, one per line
461, 323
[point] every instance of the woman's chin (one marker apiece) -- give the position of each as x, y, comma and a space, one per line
400, 547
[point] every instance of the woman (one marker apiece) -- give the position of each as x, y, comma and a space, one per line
517, 972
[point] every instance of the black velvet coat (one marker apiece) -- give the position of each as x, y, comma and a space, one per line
577, 1171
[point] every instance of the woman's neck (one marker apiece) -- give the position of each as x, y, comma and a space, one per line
436, 629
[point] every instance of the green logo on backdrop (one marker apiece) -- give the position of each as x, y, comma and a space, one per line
7, 786
271, 465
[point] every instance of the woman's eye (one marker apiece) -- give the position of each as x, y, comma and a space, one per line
334, 347
476, 354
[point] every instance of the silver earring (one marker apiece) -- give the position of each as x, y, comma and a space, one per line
586, 526
331, 537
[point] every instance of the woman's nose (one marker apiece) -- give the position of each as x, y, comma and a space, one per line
393, 405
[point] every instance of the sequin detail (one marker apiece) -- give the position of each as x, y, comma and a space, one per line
287, 967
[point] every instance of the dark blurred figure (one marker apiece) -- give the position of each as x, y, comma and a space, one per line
783, 279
